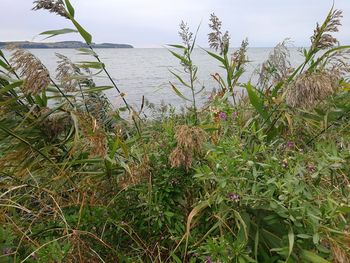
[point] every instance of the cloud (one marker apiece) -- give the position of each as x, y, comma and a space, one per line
146, 23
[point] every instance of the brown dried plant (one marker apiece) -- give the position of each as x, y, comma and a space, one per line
35, 75
53, 6
322, 38
190, 141
277, 67
65, 72
185, 34
308, 89
93, 134
239, 57
217, 40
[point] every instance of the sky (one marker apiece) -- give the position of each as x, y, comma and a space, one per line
154, 23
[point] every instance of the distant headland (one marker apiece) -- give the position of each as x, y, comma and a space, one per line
63, 44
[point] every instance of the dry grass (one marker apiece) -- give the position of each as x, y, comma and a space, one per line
309, 89
35, 75
190, 141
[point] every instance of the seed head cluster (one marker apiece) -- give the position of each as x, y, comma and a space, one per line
322, 38
311, 88
190, 141
65, 72
53, 6
35, 75
217, 40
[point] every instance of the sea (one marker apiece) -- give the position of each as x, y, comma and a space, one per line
145, 72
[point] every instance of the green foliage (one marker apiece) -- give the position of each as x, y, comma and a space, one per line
78, 183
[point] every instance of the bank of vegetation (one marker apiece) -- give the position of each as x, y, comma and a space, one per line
258, 176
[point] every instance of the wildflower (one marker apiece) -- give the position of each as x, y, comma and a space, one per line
223, 116
290, 145
7, 251
234, 115
34, 256
234, 197
311, 168
285, 163
208, 260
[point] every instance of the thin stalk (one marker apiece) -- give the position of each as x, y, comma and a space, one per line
116, 87
59, 89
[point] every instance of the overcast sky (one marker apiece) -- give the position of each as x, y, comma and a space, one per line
154, 23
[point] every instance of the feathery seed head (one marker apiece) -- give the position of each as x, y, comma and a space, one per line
53, 6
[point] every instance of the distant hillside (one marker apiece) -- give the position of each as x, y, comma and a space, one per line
64, 44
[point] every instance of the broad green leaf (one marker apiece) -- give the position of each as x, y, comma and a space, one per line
180, 79
86, 35
180, 57
177, 46
11, 86
97, 89
4, 65
53, 33
91, 64
217, 57
291, 243
178, 93
70, 8
256, 101
86, 51
312, 257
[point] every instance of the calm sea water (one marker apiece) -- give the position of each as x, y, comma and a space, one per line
145, 72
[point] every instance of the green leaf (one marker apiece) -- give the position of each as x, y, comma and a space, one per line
97, 89
86, 51
4, 65
180, 79
86, 35
217, 57
178, 93
256, 101
70, 8
11, 86
312, 257
91, 64
53, 33
182, 58
291, 243
177, 46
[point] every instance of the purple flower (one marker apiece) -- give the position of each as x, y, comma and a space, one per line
222, 116
290, 145
311, 168
210, 98
234, 197
6, 251
208, 260
234, 115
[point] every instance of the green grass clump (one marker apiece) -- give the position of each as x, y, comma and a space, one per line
254, 176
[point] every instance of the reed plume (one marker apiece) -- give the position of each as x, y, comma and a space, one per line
277, 67
308, 89
65, 72
239, 57
93, 134
53, 6
217, 40
185, 34
35, 75
190, 141
322, 38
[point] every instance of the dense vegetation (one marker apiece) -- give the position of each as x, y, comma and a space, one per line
258, 176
